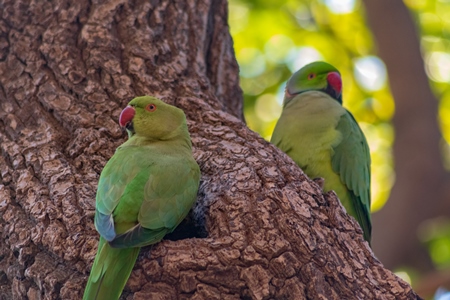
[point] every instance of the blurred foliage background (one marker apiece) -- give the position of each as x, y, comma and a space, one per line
273, 39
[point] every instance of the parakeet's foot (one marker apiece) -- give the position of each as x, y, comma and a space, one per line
319, 181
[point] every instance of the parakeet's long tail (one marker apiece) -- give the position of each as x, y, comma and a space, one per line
110, 272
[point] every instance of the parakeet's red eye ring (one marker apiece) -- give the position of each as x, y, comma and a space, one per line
151, 107
311, 76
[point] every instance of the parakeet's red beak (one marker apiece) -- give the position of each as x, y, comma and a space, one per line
126, 116
335, 81
291, 90
287, 94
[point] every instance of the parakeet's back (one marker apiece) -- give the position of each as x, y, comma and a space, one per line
145, 190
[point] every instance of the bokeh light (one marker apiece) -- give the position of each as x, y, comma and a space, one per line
404, 275
277, 48
340, 6
298, 57
436, 234
267, 108
370, 73
380, 139
438, 66
442, 294
280, 93
251, 62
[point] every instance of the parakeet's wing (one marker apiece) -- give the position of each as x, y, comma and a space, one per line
169, 194
351, 160
122, 169
284, 128
112, 267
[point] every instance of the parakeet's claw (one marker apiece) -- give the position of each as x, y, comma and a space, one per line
319, 181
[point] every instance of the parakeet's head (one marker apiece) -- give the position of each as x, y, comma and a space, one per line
151, 118
316, 76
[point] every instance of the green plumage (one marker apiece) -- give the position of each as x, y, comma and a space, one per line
324, 139
145, 190
110, 271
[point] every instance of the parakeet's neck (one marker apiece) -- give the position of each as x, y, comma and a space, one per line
310, 103
177, 141
136, 140
328, 90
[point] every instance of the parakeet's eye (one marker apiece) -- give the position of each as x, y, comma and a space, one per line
151, 107
311, 76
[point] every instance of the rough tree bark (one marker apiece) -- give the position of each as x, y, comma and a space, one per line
419, 192
265, 231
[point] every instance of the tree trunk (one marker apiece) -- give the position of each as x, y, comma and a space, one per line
264, 231
418, 193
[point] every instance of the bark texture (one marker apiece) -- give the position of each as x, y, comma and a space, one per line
419, 192
264, 231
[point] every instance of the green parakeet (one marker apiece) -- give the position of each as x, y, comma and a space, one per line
145, 190
323, 138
